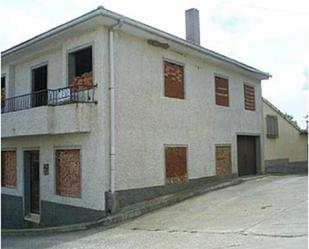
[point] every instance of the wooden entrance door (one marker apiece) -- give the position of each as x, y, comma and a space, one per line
246, 149
35, 183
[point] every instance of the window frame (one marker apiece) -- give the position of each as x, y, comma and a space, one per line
228, 89
187, 161
178, 63
16, 178
230, 157
275, 134
36, 66
249, 85
75, 49
80, 170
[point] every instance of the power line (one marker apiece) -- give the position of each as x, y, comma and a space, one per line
269, 9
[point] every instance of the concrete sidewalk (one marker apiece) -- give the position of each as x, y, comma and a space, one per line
269, 212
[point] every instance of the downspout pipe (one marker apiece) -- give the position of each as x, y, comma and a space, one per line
113, 206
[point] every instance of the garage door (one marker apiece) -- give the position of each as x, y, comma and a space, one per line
246, 149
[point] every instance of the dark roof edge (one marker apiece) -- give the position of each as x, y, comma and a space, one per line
104, 12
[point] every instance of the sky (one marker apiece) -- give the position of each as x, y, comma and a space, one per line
270, 35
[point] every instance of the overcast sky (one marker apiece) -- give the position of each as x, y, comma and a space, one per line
270, 35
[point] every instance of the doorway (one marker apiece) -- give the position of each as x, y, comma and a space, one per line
39, 86
32, 182
247, 159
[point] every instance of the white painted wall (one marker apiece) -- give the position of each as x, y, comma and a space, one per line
94, 162
146, 120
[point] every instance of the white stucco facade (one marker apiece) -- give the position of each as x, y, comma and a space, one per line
47, 128
146, 120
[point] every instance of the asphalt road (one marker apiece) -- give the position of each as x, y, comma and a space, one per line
269, 212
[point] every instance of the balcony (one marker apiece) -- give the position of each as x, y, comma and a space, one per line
58, 111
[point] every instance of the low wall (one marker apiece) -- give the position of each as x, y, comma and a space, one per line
284, 166
128, 197
56, 214
52, 214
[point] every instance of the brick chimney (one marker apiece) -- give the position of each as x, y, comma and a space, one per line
193, 26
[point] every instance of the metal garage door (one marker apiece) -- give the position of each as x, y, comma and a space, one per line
246, 148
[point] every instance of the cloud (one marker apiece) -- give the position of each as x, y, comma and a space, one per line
229, 23
270, 36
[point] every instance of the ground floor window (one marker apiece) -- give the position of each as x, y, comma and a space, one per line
8, 168
175, 165
68, 177
223, 160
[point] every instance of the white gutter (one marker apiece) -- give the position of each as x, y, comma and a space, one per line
112, 115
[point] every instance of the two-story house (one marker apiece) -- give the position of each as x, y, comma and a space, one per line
104, 111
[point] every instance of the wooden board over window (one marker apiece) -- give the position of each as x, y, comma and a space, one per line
68, 172
8, 168
222, 91
176, 165
223, 160
174, 80
249, 97
272, 126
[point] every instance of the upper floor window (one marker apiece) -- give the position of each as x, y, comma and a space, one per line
272, 126
174, 80
222, 91
80, 69
3, 87
249, 93
39, 86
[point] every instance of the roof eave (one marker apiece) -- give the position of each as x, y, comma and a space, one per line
115, 16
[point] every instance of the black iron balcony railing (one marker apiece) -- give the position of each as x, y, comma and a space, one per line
51, 97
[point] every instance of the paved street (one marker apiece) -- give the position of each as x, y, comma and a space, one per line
269, 212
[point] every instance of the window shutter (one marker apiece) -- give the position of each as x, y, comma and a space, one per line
249, 93
276, 130
222, 91
272, 126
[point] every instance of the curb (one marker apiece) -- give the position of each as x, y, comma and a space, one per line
127, 213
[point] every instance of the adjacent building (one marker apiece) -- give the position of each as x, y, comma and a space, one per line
286, 145
104, 111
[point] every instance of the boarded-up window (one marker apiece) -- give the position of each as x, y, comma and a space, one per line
68, 172
176, 165
272, 126
8, 168
174, 80
249, 97
223, 160
222, 91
